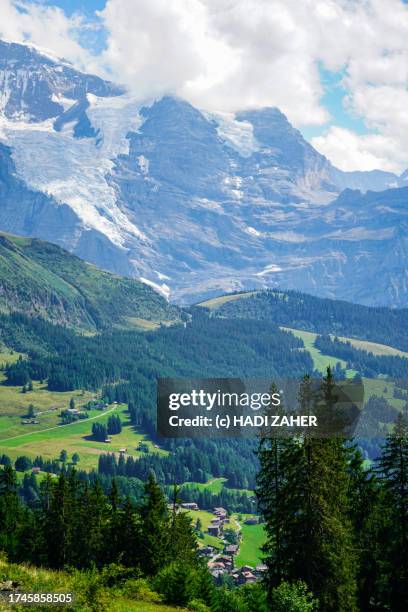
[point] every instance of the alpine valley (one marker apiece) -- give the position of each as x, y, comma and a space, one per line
191, 202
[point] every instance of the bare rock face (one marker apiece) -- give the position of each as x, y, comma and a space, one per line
193, 203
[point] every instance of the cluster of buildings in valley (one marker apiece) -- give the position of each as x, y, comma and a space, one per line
221, 564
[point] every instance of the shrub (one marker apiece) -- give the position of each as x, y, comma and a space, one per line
141, 590
197, 605
174, 582
293, 597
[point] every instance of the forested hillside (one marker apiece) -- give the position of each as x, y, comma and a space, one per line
40, 279
324, 316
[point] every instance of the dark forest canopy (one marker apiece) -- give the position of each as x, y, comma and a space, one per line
321, 315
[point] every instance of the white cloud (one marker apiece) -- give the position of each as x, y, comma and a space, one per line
232, 54
225, 55
350, 151
220, 55
47, 27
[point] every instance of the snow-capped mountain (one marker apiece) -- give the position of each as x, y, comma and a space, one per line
191, 202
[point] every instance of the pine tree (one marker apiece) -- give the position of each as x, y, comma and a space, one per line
183, 540
130, 534
270, 483
55, 524
97, 521
154, 537
10, 511
303, 495
393, 474
363, 494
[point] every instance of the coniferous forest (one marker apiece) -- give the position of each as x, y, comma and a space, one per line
336, 532
335, 514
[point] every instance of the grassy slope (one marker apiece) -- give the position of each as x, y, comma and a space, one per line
320, 315
253, 537
48, 437
215, 303
215, 486
41, 279
36, 580
320, 360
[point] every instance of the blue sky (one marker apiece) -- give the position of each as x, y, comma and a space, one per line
338, 70
70, 6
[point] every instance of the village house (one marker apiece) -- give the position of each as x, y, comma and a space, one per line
231, 549
252, 520
206, 551
260, 570
216, 566
227, 561
190, 506
246, 578
73, 411
244, 575
214, 530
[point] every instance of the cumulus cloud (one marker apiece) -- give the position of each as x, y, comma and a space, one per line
234, 54
350, 151
219, 54
46, 27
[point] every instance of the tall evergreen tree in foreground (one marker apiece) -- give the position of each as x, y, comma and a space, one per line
10, 510
154, 536
393, 555
303, 495
271, 502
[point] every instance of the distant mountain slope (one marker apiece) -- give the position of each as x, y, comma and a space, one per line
40, 279
196, 203
324, 316
36, 86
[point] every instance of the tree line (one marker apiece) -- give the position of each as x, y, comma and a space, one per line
339, 527
364, 362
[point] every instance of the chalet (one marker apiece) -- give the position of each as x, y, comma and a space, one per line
246, 578
214, 530
206, 551
216, 565
226, 560
73, 411
252, 520
215, 521
231, 549
190, 506
107, 441
260, 570
217, 573
100, 406
220, 512
123, 450
36, 470
244, 575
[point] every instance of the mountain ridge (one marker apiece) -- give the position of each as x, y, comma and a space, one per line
194, 203
40, 279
